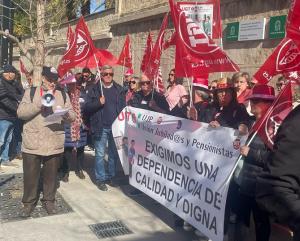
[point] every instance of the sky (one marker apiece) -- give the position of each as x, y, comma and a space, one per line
95, 5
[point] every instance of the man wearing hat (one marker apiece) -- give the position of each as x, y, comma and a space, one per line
43, 140
10, 95
254, 162
201, 110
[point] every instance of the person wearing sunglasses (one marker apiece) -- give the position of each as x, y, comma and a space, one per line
103, 110
148, 98
176, 95
87, 77
133, 86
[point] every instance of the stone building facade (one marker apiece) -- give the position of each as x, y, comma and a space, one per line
138, 17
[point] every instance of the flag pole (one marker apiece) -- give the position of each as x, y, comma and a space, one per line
98, 70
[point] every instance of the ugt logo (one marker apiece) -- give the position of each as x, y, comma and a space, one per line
82, 48
275, 119
288, 56
193, 37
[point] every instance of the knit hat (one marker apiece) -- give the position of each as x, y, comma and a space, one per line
9, 69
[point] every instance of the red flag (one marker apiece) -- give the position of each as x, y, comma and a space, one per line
66, 62
23, 70
147, 53
268, 125
102, 57
294, 77
284, 59
214, 24
293, 22
170, 41
158, 82
80, 49
195, 51
125, 56
154, 61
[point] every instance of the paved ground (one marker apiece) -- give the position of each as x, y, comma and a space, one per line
147, 219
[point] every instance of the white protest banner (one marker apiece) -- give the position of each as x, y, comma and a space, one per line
182, 164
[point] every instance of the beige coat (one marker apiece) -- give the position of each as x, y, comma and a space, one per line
41, 137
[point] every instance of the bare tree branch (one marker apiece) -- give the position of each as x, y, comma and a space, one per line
52, 49
19, 5
20, 45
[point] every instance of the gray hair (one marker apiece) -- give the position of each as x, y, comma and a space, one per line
105, 67
203, 94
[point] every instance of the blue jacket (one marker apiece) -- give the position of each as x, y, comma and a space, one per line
93, 108
68, 139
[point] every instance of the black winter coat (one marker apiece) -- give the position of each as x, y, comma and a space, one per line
278, 189
141, 101
93, 108
11, 93
232, 115
254, 164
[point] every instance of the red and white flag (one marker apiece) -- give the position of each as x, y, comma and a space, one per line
158, 82
196, 52
294, 77
268, 125
125, 58
154, 62
284, 59
293, 22
80, 49
147, 53
23, 69
171, 41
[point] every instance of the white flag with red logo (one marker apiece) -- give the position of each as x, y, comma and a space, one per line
158, 82
195, 8
147, 53
268, 125
125, 58
196, 52
154, 61
284, 59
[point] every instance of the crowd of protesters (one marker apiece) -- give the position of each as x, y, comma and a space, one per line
268, 185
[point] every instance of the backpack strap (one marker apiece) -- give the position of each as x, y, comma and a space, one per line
64, 95
32, 92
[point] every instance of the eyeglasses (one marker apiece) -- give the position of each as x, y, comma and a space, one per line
132, 82
171, 74
146, 83
85, 75
106, 74
211, 87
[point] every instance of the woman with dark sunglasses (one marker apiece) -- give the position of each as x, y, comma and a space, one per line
133, 86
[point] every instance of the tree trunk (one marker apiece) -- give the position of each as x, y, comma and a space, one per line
39, 55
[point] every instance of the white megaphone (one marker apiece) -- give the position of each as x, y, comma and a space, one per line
48, 100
